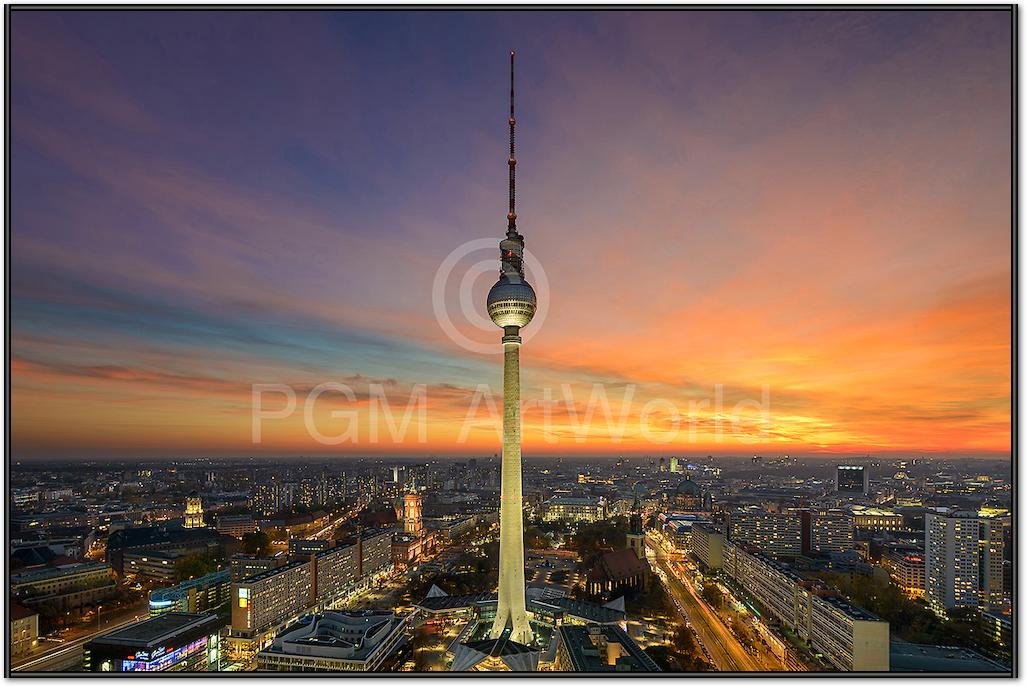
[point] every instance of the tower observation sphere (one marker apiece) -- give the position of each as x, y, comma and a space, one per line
511, 303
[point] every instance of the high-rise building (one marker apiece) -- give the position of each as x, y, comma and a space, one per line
849, 637
511, 305
193, 512
952, 560
852, 480
311, 492
827, 532
707, 545
993, 525
776, 534
272, 497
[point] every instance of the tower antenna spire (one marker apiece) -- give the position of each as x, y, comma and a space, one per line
511, 230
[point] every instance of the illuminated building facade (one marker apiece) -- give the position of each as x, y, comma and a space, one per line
413, 520
850, 638
776, 534
415, 542
565, 508
24, 632
193, 512
263, 603
993, 596
852, 480
907, 569
827, 532
64, 588
618, 570
204, 594
877, 519
965, 559
156, 565
952, 560
171, 642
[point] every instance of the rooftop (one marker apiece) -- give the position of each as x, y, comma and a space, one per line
157, 630
60, 570
873, 511
340, 635
853, 611
20, 611
575, 608
568, 500
260, 576
156, 554
441, 603
584, 653
171, 592
516, 656
584, 610
914, 657
619, 564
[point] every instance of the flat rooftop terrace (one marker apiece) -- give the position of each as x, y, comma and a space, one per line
156, 630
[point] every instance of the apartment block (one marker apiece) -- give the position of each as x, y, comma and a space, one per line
707, 545
776, 534
952, 560
848, 637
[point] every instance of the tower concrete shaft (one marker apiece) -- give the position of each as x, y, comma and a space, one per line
512, 608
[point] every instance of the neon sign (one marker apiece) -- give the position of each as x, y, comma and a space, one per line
161, 659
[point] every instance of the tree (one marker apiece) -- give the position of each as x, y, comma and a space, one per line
681, 654
910, 619
256, 543
534, 538
591, 540
194, 566
713, 595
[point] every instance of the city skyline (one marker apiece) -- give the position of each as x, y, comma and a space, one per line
870, 548
824, 217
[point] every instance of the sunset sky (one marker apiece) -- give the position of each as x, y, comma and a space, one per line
809, 210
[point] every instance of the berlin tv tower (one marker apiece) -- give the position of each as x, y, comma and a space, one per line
511, 305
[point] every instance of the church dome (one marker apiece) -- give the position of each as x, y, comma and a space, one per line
688, 487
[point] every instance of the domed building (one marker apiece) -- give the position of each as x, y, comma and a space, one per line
688, 496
